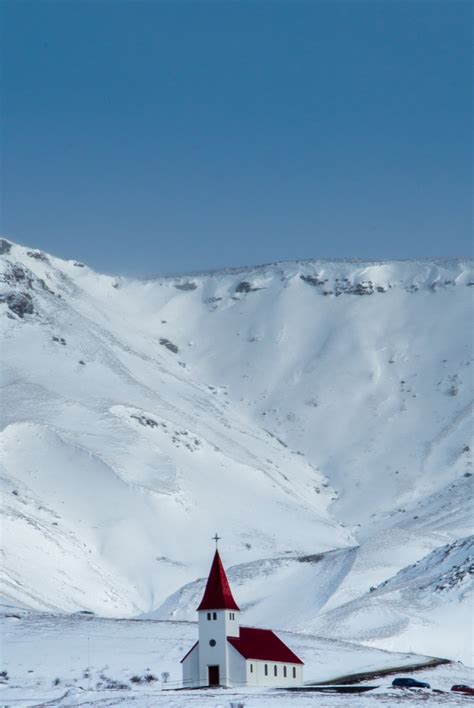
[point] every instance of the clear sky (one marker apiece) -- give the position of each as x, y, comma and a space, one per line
164, 136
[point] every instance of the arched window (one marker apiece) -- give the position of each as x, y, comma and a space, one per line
294, 671
275, 670
284, 671
208, 615
266, 669
214, 615
251, 668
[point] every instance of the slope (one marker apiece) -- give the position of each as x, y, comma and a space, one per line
298, 408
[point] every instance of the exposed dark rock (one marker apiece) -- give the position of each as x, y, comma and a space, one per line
43, 285
313, 280
342, 286
210, 300
245, 287
185, 286
315, 558
456, 575
144, 420
78, 264
16, 274
82, 362
169, 345
37, 255
365, 288
5, 247
59, 340
19, 303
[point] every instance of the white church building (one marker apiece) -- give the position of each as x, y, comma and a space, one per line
227, 654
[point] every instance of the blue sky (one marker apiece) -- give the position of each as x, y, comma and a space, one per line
151, 137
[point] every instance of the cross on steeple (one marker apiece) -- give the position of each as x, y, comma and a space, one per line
216, 538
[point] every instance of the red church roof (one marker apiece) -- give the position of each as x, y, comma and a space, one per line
262, 644
217, 595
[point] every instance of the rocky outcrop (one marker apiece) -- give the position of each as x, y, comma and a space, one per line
19, 303
37, 255
185, 286
245, 287
5, 247
169, 345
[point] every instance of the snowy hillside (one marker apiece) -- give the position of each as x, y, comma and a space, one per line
317, 414
80, 660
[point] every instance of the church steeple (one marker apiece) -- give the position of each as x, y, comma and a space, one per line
217, 595
228, 655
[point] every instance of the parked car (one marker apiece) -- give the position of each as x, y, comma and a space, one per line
462, 688
409, 683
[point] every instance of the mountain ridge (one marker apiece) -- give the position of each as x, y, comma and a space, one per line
301, 411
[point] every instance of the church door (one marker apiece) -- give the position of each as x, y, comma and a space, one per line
213, 676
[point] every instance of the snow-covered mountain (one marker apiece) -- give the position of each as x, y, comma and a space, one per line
317, 414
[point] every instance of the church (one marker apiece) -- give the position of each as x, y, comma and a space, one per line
227, 654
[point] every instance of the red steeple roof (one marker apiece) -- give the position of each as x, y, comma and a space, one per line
217, 595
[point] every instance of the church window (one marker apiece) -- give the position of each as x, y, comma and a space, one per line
208, 615
266, 669
251, 668
294, 671
212, 642
284, 671
214, 615
275, 670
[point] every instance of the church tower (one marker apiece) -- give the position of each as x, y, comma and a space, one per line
227, 654
218, 615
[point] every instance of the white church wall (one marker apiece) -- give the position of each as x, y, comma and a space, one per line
274, 674
213, 634
237, 667
191, 669
251, 672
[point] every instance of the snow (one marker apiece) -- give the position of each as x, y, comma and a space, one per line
320, 419
93, 657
